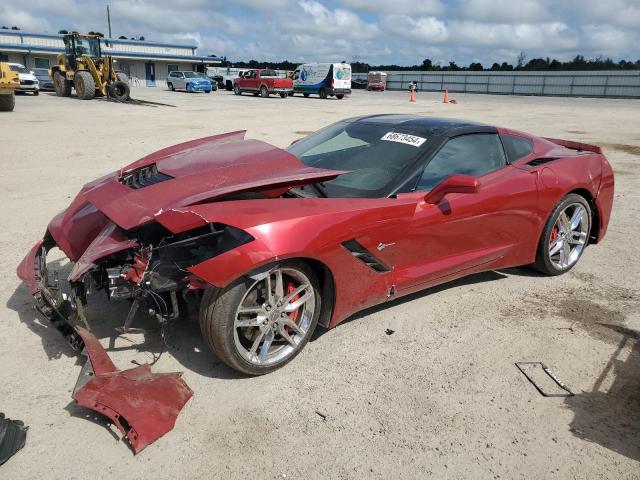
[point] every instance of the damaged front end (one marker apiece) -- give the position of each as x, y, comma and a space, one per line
148, 265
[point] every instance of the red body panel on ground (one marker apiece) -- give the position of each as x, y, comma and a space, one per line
143, 405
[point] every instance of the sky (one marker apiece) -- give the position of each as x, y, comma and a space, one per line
402, 32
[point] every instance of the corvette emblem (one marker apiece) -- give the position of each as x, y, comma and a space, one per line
382, 246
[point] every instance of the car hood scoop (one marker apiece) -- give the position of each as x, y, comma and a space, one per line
195, 172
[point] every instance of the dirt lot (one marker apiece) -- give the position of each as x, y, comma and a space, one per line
439, 398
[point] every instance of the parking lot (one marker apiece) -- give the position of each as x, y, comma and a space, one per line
439, 396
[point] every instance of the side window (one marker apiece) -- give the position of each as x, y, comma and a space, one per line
516, 147
296, 75
476, 155
180, 75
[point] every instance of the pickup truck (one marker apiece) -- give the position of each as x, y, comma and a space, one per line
262, 82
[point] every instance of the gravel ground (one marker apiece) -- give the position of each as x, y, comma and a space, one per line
440, 398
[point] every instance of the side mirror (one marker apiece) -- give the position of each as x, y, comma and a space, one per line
453, 184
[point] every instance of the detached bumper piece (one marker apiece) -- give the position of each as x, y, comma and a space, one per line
13, 435
141, 404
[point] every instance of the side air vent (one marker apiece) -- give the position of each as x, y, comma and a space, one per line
144, 177
541, 161
365, 256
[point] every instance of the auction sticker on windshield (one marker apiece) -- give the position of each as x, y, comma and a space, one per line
404, 138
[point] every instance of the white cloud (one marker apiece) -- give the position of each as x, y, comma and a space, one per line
10, 16
424, 29
318, 19
550, 37
396, 7
505, 11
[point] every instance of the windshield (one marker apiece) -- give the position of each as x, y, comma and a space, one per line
191, 75
18, 68
202, 75
41, 72
377, 156
87, 46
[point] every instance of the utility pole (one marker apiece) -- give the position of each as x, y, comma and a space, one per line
109, 20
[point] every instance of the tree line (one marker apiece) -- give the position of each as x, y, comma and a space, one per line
579, 62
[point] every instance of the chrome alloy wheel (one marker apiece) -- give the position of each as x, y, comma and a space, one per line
274, 316
569, 236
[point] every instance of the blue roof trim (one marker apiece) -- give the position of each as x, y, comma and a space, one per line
115, 54
19, 33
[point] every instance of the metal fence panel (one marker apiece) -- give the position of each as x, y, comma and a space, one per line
582, 83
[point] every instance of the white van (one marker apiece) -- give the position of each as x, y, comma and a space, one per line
324, 79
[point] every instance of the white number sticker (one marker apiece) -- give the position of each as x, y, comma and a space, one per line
404, 138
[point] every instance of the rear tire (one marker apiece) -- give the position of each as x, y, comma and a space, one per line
323, 94
219, 317
61, 85
84, 85
264, 92
283, 95
305, 95
7, 102
340, 96
570, 238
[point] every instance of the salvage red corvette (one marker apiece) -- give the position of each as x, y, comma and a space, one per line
272, 242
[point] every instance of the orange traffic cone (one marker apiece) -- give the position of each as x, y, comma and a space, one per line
446, 96
412, 96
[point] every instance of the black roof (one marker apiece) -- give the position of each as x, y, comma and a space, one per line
432, 126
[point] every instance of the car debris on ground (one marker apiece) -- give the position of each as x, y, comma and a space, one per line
13, 435
141, 404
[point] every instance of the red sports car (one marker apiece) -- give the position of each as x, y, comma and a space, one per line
272, 242
376, 85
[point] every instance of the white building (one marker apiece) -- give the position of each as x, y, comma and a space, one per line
146, 63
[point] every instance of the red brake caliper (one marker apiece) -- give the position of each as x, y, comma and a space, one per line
293, 315
554, 235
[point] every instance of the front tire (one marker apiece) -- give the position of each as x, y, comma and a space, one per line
262, 321
565, 236
340, 96
236, 89
84, 85
171, 87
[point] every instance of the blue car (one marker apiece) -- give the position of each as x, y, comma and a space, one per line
189, 81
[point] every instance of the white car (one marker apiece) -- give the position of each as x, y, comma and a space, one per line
28, 81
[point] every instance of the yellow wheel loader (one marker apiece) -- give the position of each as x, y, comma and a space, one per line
83, 68
9, 82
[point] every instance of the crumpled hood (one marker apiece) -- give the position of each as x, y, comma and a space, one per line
195, 172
